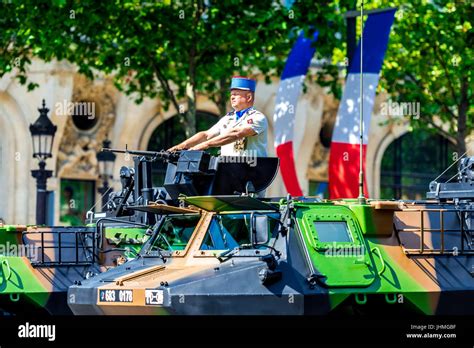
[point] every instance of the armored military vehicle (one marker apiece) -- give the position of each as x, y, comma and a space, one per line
221, 252
39, 263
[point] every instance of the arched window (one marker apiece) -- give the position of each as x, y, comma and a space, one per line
412, 161
170, 133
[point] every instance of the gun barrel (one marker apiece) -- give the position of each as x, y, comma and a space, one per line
155, 154
106, 149
133, 152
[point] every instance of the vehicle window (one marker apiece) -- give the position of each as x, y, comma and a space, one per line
175, 233
228, 231
332, 231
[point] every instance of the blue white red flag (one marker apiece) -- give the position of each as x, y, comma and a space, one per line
289, 90
345, 148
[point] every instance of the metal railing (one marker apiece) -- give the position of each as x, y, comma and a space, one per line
465, 233
84, 248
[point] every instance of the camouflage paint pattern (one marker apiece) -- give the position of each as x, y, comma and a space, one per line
372, 270
26, 286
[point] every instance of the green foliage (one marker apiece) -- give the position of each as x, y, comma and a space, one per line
175, 49
429, 61
172, 50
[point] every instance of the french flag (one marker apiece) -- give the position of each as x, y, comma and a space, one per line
345, 147
289, 90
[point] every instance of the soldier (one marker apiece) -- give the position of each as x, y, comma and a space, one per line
242, 132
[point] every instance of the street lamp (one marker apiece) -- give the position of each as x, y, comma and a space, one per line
42, 133
106, 167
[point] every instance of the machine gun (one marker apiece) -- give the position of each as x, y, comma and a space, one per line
151, 155
189, 173
136, 185
462, 195
463, 190
197, 173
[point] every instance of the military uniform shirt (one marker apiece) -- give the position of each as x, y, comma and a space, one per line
255, 145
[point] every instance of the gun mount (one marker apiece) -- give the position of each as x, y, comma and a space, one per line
196, 173
189, 173
461, 190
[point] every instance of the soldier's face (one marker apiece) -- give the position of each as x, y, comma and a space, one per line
240, 99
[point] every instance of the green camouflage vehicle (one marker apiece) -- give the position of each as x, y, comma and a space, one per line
39, 263
235, 254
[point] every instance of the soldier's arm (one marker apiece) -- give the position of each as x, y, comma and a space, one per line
190, 142
226, 138
198, 138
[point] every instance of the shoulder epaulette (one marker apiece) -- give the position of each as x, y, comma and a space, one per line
253, 111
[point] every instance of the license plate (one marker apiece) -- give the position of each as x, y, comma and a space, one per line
115, 295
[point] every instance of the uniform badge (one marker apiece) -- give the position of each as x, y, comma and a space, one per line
226, 124
240, 145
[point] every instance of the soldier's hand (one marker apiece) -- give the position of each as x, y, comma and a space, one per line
176, 148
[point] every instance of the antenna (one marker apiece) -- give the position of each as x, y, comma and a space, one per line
361, 197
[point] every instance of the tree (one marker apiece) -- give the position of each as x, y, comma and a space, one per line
429, 61
173, 50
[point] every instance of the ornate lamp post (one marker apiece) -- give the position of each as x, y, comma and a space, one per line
42, 133
106, 166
